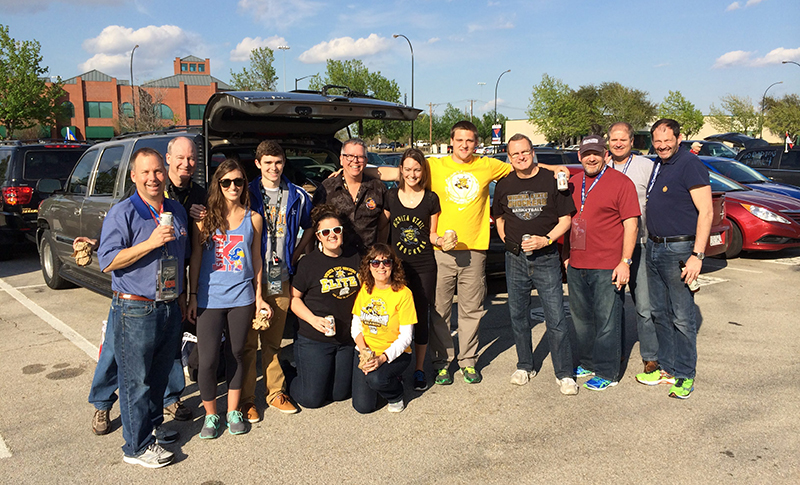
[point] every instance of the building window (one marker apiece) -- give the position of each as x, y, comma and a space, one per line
192, 67
196, 111
201, 68
69, 109
184, 66
163, 112
127, 110
99, 109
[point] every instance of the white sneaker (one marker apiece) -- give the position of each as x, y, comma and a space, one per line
396, 407
521, 377
568, 386
153, 457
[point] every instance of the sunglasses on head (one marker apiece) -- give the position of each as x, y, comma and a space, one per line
376, 263
225, 183
327, 231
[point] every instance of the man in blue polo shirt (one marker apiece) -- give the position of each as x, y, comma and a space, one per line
146, 261
679, 215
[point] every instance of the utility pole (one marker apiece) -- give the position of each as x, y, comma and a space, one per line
430, 127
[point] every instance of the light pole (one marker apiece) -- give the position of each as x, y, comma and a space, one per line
284, 48
133, 97
495, 94
764, 97
412, 80
790, 62
300, 79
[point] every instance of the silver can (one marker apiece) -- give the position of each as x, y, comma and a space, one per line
165, 219
562, 181
332, 327
525, 237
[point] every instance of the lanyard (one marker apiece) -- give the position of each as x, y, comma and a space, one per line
653, 177
584, 192
272, 216
627, 164
154, 213
171, 193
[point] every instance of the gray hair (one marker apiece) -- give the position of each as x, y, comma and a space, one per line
172, 142
355, 141
622, 124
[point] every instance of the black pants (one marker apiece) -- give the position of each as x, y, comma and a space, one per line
423, 286
211, 324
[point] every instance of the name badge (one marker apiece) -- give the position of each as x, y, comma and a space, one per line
167, 288
274, 283
577, 236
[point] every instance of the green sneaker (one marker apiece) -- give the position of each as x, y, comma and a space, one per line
210, 428
655, 378
443, 378
682, 389
471, 376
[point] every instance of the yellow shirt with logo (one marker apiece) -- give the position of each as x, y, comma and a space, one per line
463, 190
381, 313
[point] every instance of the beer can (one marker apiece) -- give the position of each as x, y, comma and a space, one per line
525, 237
332, 328
165, 219
562, 181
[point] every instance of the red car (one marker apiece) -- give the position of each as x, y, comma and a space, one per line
760, 221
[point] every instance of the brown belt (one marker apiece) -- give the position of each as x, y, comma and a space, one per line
126, 296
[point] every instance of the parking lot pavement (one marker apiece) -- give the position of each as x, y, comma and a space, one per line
739, 426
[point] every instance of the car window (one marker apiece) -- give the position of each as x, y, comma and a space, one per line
717, 150
5, 158
79, 180
550, 158
721, 184
52, 164
107, 170
738, 172
158, 144
759, 158
791, 160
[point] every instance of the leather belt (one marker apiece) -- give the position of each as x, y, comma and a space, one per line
126, 296
671, 239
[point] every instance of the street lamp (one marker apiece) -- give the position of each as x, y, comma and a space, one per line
284, 48
133, 97
300, 79
412, 80
790, 62
495, 94
761, 125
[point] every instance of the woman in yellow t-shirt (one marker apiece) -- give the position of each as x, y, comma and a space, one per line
383, 322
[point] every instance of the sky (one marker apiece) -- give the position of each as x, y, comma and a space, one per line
703, 48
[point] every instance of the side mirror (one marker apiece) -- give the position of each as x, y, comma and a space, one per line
48, 186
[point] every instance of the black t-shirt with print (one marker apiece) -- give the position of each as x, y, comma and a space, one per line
410, 229
530, 206
329, 287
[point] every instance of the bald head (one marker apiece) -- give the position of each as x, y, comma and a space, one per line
182, 160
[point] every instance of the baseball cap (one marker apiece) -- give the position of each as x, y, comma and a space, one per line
592, 143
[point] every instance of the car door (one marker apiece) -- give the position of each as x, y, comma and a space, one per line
788, 172
65, 215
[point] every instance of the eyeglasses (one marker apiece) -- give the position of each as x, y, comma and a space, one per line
515, 156
349, 158
225, 183
376, 263
327, 231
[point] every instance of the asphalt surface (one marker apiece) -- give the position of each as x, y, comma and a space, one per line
739, 426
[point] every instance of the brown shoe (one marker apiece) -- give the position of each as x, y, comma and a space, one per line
100, 423
649, 366
250, 413
283, 404
178, 411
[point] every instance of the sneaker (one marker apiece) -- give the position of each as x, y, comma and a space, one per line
210, 428
649, 366
236, 424
655, 378
521, 377
443, 377
567, 386
178, 411
282, 403
420, 381
165, 436
599, 384
153, 457
682, 389
250, 413
581, 372
471, 375
100, 423
396, 407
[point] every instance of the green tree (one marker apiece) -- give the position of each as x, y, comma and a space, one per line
783, 115
621, 103
260, 76
680, 109
26, 99
558, 112
735, 113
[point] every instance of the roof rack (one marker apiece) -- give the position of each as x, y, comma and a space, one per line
42, 141
165, 131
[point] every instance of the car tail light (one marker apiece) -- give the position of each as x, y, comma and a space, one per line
17, 195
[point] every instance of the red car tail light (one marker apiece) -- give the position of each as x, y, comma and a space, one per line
17, 195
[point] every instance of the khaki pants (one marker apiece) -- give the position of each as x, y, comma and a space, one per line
465, 268
270, 339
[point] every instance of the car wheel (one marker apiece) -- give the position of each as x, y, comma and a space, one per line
735, 246
51, 264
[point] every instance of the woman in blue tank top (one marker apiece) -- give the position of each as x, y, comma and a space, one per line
225, 276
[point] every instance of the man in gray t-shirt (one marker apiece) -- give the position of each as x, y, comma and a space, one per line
638, 169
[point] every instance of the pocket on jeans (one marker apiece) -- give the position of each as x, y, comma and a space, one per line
137, 310
680, 248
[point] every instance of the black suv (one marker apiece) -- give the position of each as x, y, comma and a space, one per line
775, 162
22, 166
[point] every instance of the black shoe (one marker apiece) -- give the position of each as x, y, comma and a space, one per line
420, 381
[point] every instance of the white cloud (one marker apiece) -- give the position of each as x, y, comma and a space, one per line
433, 40
738, 5
500, 24
750, 3
733, 6
775, 56
33, 6
242, 51
345, 48
747, 59
280, 12
733, 58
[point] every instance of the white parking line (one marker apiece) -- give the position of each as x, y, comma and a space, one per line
4, 451
784, 261
52, 320
30, 286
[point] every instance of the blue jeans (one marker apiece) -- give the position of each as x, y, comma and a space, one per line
674, 311
596, 307
640, 293
541, 270
103, 393
146, 335
324, 372
383, 381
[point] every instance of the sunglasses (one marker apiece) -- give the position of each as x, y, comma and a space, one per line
327, 231
225, 183
376, 263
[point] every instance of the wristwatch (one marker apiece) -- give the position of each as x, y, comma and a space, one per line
627, 261
700, 256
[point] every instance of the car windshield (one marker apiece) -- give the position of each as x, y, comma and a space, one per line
54, 164
738, 172
717, 150
722, 184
